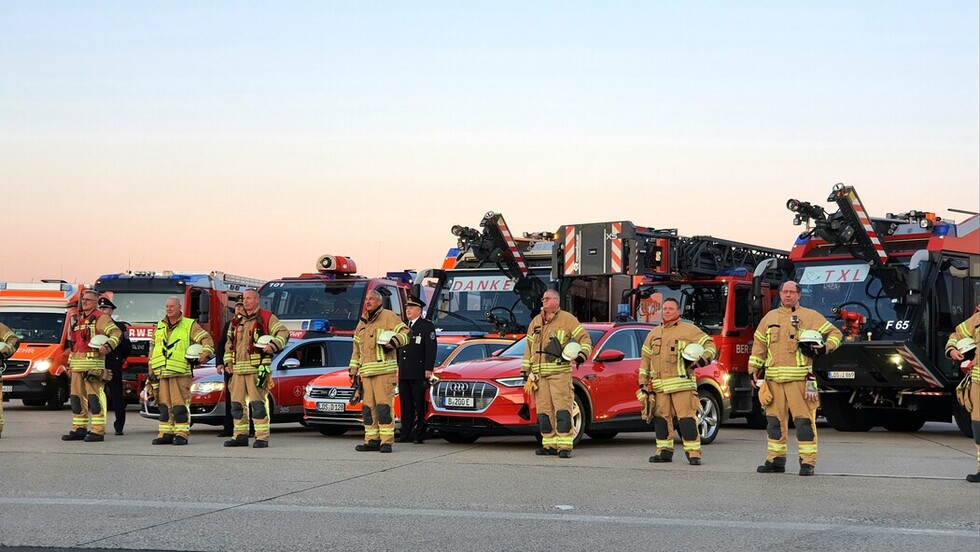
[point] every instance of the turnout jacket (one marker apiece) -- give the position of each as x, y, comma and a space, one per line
968, 328
83, 358
8, 342
661, 364
240, 350
564, 328
369, 358
775, 345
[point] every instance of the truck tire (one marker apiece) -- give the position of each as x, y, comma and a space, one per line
602, 435
34, 402
962, 419
332, 431
906, 422
844, 417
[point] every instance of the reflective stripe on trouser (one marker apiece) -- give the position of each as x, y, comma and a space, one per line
175, 391
788, 400
680, 405
555, 394
975, 416
379, 391
83, 388
245, 392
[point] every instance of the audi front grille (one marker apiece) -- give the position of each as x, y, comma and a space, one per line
481, 393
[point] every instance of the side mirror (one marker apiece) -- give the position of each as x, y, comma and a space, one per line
610, 355
290, 363
204, 308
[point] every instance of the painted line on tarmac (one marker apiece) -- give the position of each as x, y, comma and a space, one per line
888, 476
498, 515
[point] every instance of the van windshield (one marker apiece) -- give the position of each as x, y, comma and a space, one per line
35, 327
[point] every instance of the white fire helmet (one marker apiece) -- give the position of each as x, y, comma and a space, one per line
811, 337
967, 347
385, 337
98, 341
262, 341
194, 351
571, 350
692, 352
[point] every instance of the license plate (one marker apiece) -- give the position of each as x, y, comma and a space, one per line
465, 402
8, 388
840, 375
330, 407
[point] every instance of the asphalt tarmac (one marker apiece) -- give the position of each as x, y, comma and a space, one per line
873, 491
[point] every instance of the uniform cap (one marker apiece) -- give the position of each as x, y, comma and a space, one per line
414, 301
105, 302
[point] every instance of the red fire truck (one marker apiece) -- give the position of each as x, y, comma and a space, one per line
613, 271
897, 286
140, 298
332, 298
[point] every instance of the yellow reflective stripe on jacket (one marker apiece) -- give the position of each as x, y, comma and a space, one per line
673, 385
787, 373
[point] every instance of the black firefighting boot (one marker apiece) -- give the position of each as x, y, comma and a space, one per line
240, 441
75, 435
776, 466
371, 446
260, 443
180, 440
94, 438
546, 451
165, 439
806, 469
564, 454
973, 477
385, 448
664, 457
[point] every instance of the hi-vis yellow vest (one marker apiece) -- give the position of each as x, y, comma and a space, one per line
168, 356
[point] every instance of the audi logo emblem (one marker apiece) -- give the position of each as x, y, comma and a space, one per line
458, 387
332, 393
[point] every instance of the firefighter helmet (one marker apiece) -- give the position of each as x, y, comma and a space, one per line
385, 337
570, 351
98, 341
262, 341
194, 352
967, 347
692, 352
811, 338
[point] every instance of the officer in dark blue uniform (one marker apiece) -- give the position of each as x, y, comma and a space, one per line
415, 363
114, 362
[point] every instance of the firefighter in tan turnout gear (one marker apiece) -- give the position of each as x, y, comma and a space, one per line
93, 335
374, 361
962, 346
548, 363
783, 348
671, 352
251, 342
8, 346
171, 367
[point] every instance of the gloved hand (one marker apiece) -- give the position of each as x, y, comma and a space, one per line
391, 345
524, 376
810, 392
579, 359
262, 377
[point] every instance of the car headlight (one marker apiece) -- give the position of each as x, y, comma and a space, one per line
511, 382
41, 366
726, 378
309, 389
206, 387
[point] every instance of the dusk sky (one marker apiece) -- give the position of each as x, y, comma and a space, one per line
252, 137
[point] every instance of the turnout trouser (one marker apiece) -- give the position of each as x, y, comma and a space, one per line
378, 408
788, 400
88, 404
248, 399
555, 401
174, 401
684, 406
